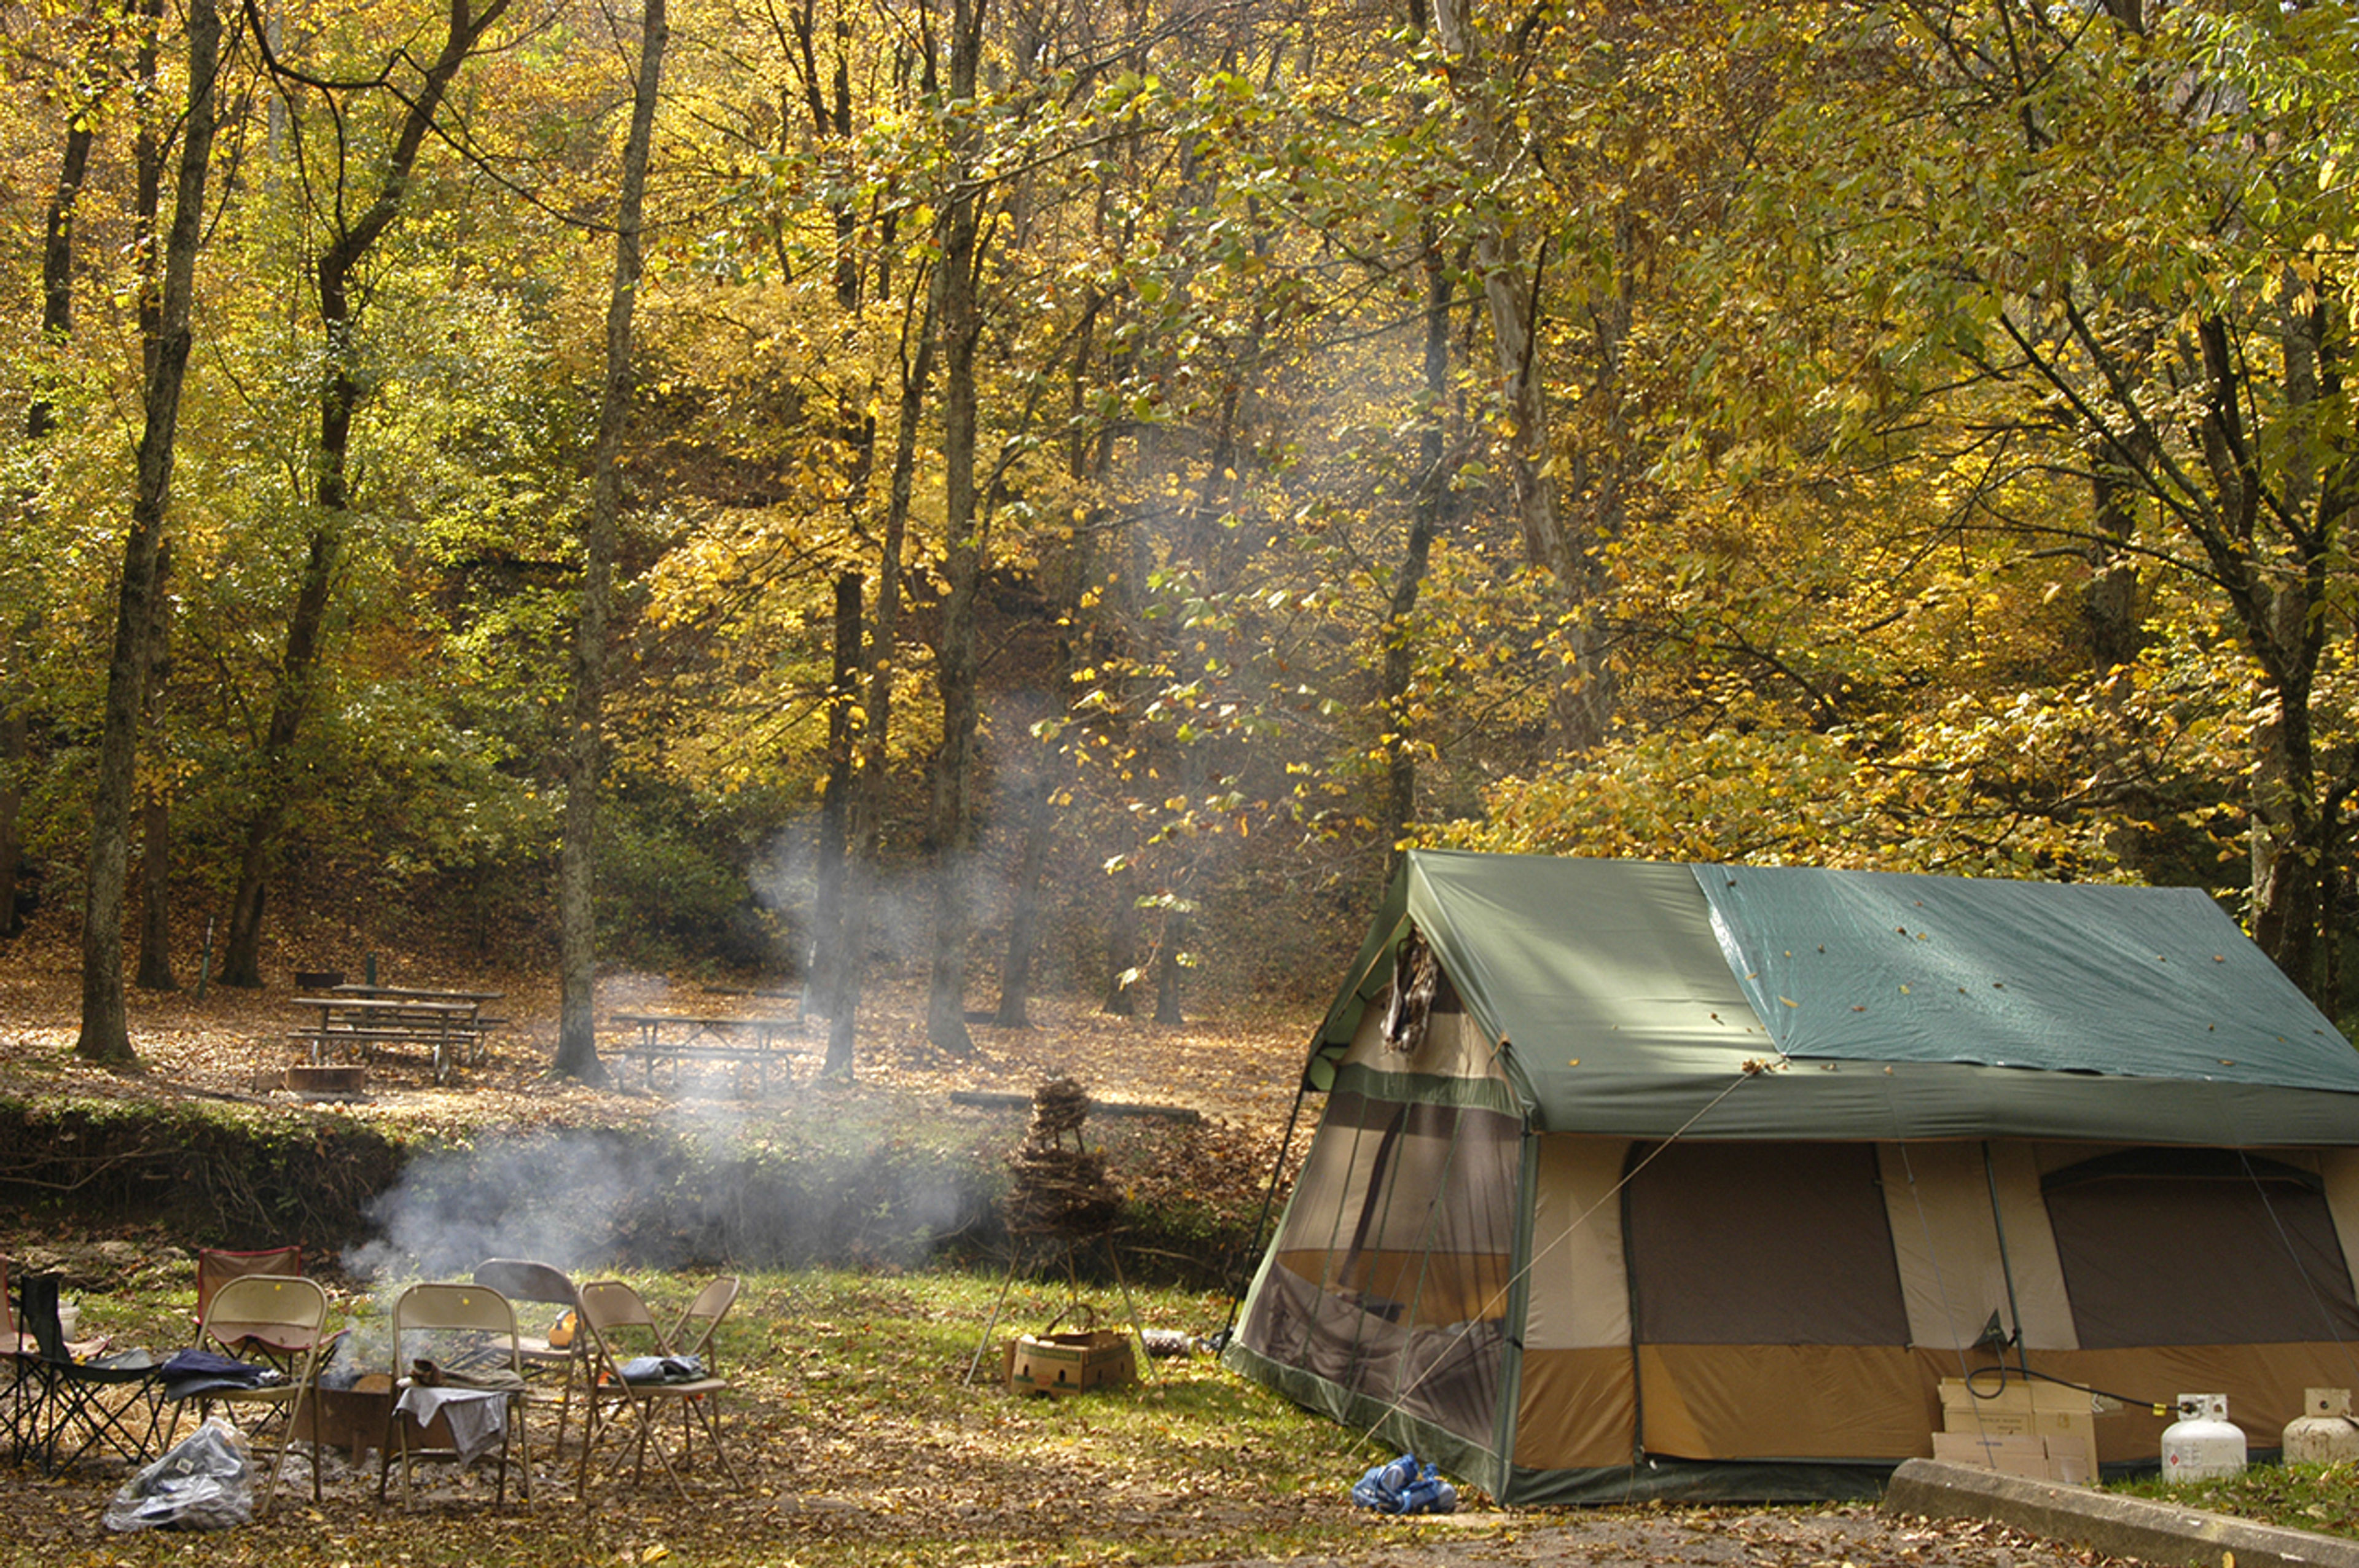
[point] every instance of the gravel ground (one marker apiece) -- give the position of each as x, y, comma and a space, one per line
1843, 1536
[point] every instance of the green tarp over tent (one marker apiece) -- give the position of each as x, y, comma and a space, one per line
1724, 1001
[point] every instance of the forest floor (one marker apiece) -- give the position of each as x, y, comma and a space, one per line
863, 1441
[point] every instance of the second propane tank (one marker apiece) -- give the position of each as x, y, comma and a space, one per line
2323, 1433
2202, 1445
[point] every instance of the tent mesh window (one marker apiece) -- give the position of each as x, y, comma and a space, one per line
2199, 1247
1383, 1292
1762, 1244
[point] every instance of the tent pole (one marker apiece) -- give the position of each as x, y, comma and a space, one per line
1147, 1372
2005, 1266
1015, 1261
1631, 1164
1261, 1221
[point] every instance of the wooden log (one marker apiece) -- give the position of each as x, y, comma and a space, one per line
994, 1099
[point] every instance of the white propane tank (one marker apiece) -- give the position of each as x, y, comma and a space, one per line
2323, 1433
2202, 1445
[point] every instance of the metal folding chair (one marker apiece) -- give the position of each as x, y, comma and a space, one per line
270, 1310
218, 1266
545, 1361
467, 1335
629, 1383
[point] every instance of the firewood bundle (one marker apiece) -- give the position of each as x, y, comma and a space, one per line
1059, 1187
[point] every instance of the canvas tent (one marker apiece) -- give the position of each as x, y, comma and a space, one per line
1654, 1180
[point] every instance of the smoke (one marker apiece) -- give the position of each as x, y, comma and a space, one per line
785, 879
703, 1193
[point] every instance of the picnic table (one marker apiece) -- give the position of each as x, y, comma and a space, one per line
361, 1021
679, 1037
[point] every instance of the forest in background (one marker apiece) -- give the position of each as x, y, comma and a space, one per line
1091, 482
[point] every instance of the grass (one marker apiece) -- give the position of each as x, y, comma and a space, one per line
863, 1442
2320, 1498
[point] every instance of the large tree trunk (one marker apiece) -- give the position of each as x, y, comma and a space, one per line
870, 794
577, 1043
57, 259
1024, 900
824, 978
1122, 948
2291, 839
955, 664
336, 271
155, 972
106, 1029
1169, 968
1425, 517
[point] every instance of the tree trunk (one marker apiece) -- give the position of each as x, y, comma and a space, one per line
2292, 870
1169, 968
106, 1029
824, 978
155, 972
954, 663
577, 1042
1024, 901
1122, 949
2109, 603
870, 795
1425, 520
56, 262
336, 270
17, 686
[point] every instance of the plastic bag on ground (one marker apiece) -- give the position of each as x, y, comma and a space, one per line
1405, 1487
205, 1481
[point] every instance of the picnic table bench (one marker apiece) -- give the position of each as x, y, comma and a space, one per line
362, 1020
677, 1037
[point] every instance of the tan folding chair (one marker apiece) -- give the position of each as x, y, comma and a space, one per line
454, 1354
291, 1315
696, 1334
217, 1267
545, 1359
629, 1382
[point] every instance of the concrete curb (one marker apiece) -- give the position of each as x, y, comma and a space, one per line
2111, 1526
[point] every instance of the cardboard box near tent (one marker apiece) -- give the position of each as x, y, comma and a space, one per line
2044, 1431
1067, 1362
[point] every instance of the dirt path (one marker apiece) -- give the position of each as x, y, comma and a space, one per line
1852, 1536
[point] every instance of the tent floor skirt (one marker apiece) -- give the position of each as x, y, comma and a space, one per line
1701, 1481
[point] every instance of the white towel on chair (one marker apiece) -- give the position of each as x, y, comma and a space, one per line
477, 1418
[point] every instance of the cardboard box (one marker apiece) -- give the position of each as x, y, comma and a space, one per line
2065, 1421
1068, 1363
2052, 1458
2037, 1429
2011, 1454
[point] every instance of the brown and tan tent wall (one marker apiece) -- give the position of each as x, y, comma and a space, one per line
1774, 1302
1644, 1181
1762, 1318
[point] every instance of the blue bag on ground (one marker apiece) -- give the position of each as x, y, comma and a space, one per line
1405, 1487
